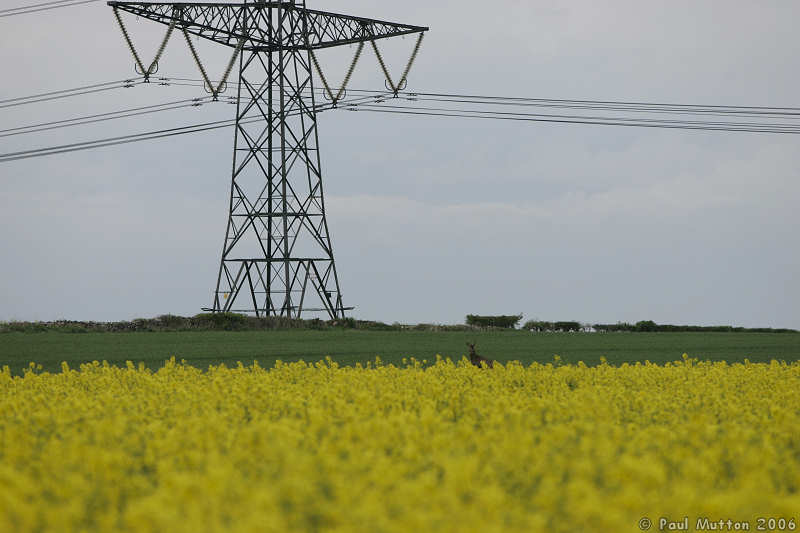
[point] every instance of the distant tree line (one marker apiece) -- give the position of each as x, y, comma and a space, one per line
650, 326
499, 321
216, 322
643, 326
540, 326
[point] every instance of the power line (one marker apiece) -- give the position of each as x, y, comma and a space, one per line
406, 103
363, 103
749, 112
607, 102
102, 117
45, 6
31, 6
499, 114
654, 109
613, 105
62, 91
97, 87
113, 115
112, 141
456, 113
68, 93
605, 105
138, 137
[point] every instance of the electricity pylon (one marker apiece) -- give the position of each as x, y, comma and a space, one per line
277, 258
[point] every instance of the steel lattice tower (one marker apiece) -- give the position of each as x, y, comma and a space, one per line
277, 258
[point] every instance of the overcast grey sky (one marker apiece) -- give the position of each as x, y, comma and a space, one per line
431, 218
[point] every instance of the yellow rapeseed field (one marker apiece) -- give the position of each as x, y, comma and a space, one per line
419, 448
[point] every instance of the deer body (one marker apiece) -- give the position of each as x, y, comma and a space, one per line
476, 359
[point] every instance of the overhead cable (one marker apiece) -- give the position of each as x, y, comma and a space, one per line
45, 6
68, 93
144, 136
599, 121
605, 105
407, 103
102, 117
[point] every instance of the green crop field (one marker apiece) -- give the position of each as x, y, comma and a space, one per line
204, 348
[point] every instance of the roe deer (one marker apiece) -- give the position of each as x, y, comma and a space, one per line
476, 359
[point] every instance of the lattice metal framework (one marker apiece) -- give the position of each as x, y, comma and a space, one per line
277, 259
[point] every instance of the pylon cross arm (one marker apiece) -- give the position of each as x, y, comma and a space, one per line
257, 24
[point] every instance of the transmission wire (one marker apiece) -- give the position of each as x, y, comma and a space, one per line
127, 84
35, 9
375, 101
129, 80
590, 118
461, 114
125, 139
784, 112
604, 102
102, 117
35, 5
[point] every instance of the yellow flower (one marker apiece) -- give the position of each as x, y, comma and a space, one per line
375, 447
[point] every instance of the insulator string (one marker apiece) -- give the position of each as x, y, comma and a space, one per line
404, 79
348, 75
215, 91
401, 85
153, 68
128, 40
